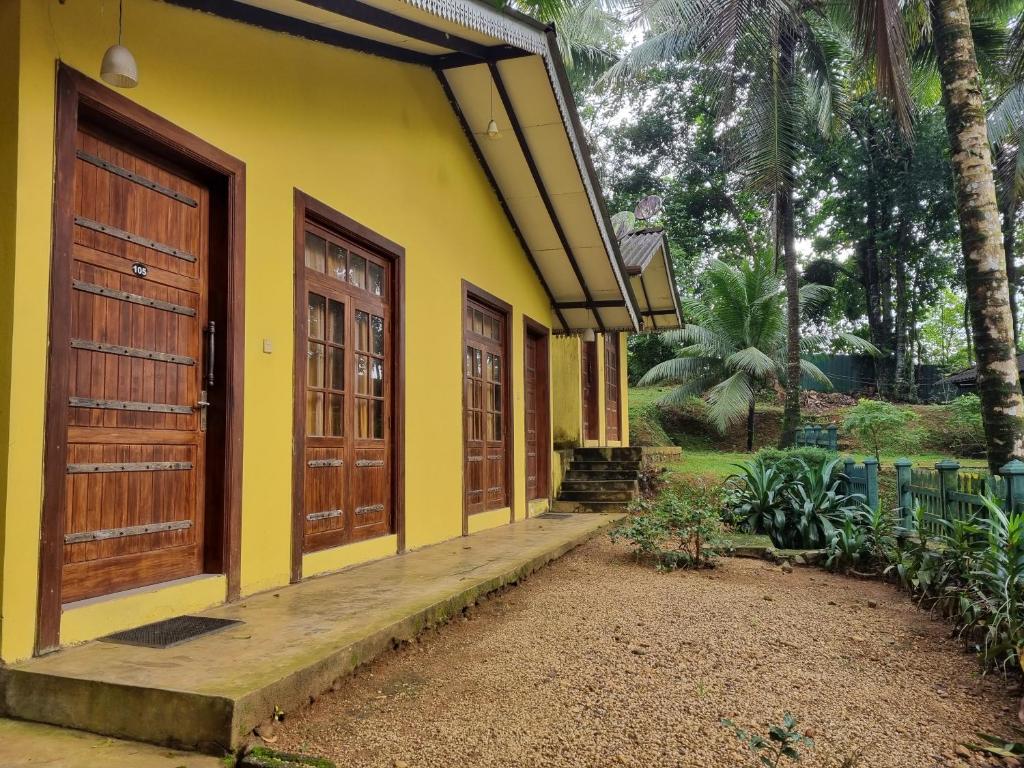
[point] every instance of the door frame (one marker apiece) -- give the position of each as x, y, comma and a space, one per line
541, 332
308, 208
78, 95
470, 291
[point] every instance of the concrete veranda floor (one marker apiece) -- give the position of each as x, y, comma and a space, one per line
295, 643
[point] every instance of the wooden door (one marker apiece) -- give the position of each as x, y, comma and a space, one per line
345, 330
588, 357
535, 396
611, 386
485, 402
137, 373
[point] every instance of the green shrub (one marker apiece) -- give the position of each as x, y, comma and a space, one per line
792, 461
680, 529
880, 425
962, 430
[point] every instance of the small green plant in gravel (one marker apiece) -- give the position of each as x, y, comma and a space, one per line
679, 529
783, 743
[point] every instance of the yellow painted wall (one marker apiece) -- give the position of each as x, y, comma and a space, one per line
567, 389
9, 49
374, 139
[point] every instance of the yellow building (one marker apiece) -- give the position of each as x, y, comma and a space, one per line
317, 289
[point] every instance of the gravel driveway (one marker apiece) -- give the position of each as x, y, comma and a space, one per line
597, 661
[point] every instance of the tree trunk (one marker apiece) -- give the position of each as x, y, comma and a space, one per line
750, 425
787, 229
903, 388
791, 411
1010, 248
980, 235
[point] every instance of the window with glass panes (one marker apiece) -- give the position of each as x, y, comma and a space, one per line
485, 406
346, 390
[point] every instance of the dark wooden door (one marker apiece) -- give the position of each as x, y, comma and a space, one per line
137, 373
588, 357
346, 386
535, 394
611, 386
485, 406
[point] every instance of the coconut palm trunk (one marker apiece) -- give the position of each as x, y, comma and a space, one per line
980, 233
787, 229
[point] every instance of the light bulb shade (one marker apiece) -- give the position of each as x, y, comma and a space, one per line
492, 131
119, 67
588, 335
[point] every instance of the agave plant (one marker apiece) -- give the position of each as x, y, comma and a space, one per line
760, 498
817, 504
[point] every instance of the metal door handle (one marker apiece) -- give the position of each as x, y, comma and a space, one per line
211, 337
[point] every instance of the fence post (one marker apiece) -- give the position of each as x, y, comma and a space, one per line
848, 464
1013, 473
814, 431
903, 492
871, 482
947, 469
833, 439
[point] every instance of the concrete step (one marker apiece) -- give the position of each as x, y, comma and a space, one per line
620, 496
600, 485
296, 642
608, 454
600, 474
560, 505
613, 466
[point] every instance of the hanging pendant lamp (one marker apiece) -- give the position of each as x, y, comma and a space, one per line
119, 67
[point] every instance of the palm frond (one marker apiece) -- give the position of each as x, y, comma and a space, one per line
729, 400
879, 27
810, 369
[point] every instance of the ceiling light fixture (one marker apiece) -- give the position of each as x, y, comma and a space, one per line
589, 336
493, 132
119, 67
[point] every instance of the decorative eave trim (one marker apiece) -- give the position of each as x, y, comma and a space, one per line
486, 20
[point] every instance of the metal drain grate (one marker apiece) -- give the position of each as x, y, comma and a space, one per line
164, 634
554, 515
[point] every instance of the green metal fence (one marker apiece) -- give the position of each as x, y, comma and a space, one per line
817, 436
946, 493
863, 479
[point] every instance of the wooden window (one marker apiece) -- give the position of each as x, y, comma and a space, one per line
611, 386
486, 403
344, 383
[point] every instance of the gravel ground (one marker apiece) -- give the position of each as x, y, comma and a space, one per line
597, 661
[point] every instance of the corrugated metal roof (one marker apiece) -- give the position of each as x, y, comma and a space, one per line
639, 247
970, 375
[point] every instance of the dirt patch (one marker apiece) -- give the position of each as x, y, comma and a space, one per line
597, 661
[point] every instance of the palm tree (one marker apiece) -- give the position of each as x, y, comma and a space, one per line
776, 64
944, 27
736, 341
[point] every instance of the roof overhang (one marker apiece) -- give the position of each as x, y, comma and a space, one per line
648, 262
496, 63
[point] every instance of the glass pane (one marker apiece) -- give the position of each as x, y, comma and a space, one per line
314, 364
336, 261
497, 399
490, 397
377, 377
357, 270
316, 316
336, 368
335, 416
497, 426
316, 247
479, 364
362, 331
377, 334
377, 417
496, 330
490, 426
362, 375
336, 322
362, 417
478, 322
314, 413
487, 325
469, 361
376, 279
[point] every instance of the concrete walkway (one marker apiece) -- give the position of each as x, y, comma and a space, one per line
32, 744
208, 694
